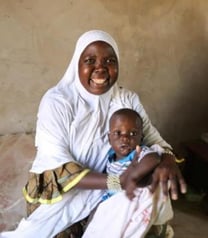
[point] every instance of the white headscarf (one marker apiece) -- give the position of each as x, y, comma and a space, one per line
87, 38
89, 117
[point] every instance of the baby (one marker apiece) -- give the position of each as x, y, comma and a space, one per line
125, 137
145, 209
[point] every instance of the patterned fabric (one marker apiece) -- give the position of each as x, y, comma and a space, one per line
75, 231
48, 187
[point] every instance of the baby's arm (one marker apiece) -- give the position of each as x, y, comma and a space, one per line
139, 172
149, 158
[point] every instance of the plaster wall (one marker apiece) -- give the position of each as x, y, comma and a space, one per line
163, 48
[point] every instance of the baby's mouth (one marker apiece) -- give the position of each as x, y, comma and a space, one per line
125, 147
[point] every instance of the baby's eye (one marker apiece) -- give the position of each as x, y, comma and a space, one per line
133, 133
116, 133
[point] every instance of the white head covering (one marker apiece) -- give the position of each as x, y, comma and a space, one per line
87, 136
87, 38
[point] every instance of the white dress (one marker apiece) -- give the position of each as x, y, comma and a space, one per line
72, 126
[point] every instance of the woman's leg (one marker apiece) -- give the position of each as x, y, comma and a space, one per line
47, 221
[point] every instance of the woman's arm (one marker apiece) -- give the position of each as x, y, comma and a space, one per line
168, 171
147, 164
93, 180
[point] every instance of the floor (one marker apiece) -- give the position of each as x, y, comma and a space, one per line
190, 219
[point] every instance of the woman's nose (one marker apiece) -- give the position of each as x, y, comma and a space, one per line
100, 68
100, 64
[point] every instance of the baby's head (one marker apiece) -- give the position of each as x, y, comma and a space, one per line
125, 131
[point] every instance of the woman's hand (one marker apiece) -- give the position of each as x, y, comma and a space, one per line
134, 176
168, 174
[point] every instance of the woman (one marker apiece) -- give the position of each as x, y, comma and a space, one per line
66, 179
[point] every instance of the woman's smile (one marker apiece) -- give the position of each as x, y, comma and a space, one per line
99, 81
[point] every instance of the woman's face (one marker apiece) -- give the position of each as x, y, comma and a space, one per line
98, 67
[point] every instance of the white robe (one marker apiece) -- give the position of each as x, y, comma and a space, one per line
72, 125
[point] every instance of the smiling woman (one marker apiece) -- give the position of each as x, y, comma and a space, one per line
67, 179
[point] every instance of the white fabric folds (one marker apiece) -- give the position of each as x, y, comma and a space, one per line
133, 218
72, 126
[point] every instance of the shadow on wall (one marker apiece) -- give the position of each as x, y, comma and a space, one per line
189, 113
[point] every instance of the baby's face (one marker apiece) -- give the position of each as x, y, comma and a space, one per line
125, 134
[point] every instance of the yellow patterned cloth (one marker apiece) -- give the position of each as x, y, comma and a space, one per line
48, 187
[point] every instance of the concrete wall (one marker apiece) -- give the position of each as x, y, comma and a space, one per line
163, 47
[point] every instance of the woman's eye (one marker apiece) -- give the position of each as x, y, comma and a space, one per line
111, 61
89, 61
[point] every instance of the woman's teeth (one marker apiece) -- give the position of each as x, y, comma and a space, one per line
99, 81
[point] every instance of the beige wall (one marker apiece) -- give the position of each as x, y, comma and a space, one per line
163, 47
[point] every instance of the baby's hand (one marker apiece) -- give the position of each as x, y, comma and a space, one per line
138, 174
